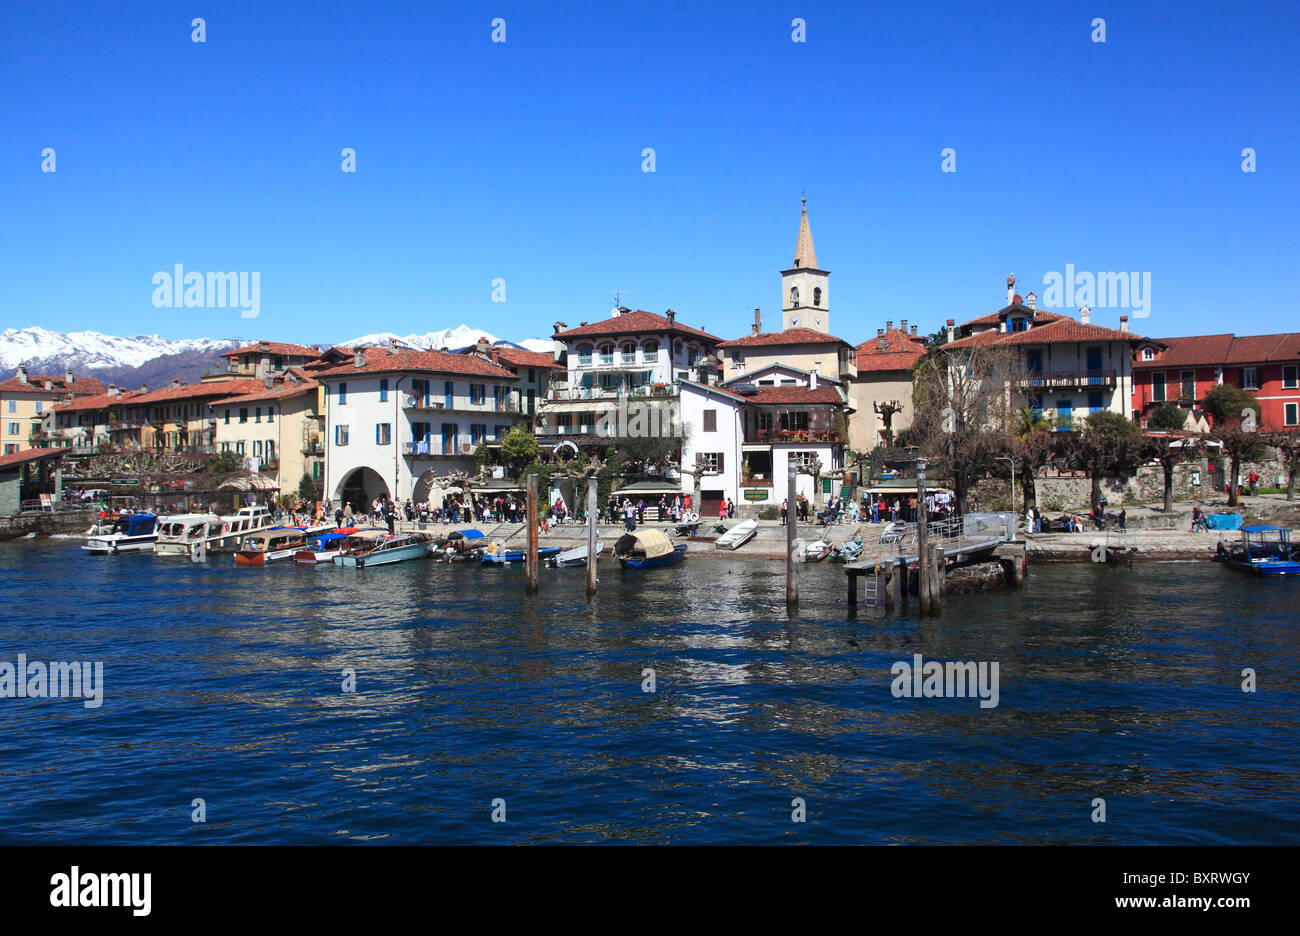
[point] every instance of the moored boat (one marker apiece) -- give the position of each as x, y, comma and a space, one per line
323, 547
847, 551
183, 534
496, 554
1263, 550
573, 557
269, 546
384, 550
234, 527
817, 550
738, 535
462, 546
647, 549
132, 533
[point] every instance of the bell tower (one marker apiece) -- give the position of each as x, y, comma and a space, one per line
805, 289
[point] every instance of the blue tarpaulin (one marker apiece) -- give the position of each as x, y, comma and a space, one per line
1223, 521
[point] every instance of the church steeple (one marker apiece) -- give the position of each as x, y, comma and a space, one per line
805, 289
804, 254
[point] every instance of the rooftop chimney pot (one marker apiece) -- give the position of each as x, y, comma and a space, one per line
1085, 315
1123, 323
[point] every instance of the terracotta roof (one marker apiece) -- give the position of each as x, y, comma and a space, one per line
1039, 316
788, 395
713, 388
1253, 349
901, 352
791, 336
383, 360
97, 402
1060, 329
219, 388
279, 391
81, 386
521, 357
1187, 352
19, 458
273, 347
631, 323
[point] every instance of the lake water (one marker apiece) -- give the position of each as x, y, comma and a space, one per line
226, 685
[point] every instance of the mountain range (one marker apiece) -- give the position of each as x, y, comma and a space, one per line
153, 360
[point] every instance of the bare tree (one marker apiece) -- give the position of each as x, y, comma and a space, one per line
886, 409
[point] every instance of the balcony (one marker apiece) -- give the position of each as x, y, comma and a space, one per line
1061, 379
411, 401
566, 430
436, 447
771, 436
643, 392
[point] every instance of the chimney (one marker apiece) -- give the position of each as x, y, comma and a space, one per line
1032, 301
1011, 289
144, 388
812, 377
758, 323
903, 325
914, 331
1123, 323
889, 325
483, 346
881, 343
22, 373
112, 389
67, 376
392, 344
264, 347
359, 358
268, 382
49, 385
176, 382
559, 327
1085, 315
952, 329
672, 316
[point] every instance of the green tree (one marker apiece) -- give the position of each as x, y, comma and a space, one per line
225, 463
1032, 448
1167, 417
1235, 414
1108, 445
518, 449
306, 487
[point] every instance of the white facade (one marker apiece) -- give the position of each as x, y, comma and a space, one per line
717, 448
394, 433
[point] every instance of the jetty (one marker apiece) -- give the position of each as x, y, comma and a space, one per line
884, 570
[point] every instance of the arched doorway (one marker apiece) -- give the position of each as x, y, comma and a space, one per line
359, 488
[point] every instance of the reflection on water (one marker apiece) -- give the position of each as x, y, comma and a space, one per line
227, 684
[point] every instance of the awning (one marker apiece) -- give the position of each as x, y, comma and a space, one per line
650, 487
255, 482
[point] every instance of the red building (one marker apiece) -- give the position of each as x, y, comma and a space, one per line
1186, 369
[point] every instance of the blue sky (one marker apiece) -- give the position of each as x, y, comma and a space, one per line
522, 160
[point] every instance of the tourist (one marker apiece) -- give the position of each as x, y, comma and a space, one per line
722, 510
1123, 519
785, 506
1198, 520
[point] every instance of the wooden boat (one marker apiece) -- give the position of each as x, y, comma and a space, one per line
132, 533
498, 555
738, 535
183, 534
817, 550
647, 549
384, 550
461, 546
323, 547
272, 545
234, 527
847, 551
573, 557
1263, 550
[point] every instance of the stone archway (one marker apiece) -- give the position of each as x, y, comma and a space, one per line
359, 488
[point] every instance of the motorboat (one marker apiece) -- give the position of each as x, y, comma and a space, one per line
817, 550
185, 534
894, 532
496, 554
269, 546
1263, 550
384, 550
234, 527
131, 533
573, 557
647, 549
462, 545
323, 547
847, 551
738, 535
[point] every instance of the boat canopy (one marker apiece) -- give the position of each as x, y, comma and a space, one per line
467, 534
135, 524
1264, 529
654, 542
324, 538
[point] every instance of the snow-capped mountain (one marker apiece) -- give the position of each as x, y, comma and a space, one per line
462, 336
85, 352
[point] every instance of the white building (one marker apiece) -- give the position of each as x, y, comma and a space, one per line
397, 419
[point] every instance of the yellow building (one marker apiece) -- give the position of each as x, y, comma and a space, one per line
26, 399
884, 378
280, 427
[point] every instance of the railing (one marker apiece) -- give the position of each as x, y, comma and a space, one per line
1068, 378
566, 430
644, 392
767, 436
435, 446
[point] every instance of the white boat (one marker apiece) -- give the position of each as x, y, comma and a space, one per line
270, 546
573, 557
738, 535
385, 550
132, 533
235, 527
817, 550
183, 534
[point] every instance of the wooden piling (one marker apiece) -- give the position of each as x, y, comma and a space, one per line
591, 536
531, 583
939, 579
791, 512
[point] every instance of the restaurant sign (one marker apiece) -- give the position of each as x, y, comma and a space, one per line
755, 494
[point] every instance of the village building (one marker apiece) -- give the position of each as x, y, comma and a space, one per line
397, 420
261, 360
1183, 370
883, 381
533, 372
277, 428
26, 401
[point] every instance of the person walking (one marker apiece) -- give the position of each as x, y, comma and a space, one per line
1123, 519
785, 507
